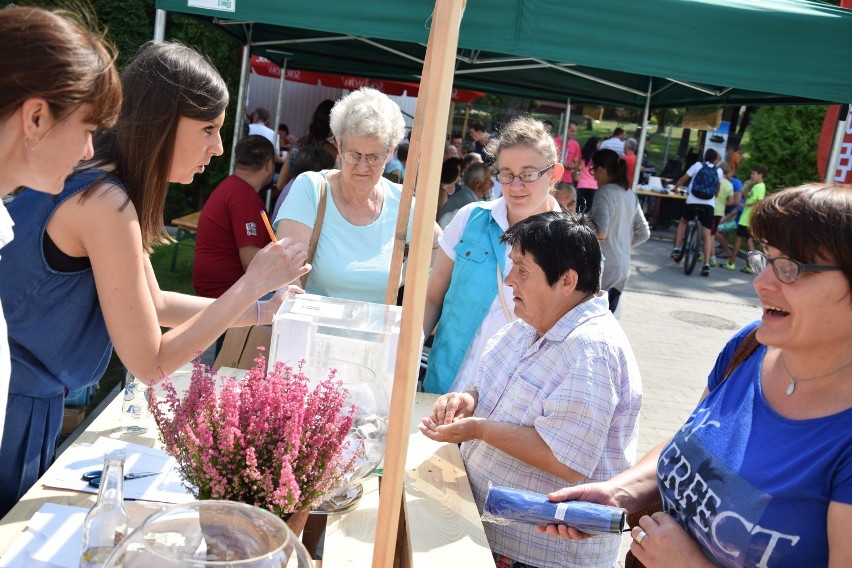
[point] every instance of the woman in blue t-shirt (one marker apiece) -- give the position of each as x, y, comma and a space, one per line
761, 473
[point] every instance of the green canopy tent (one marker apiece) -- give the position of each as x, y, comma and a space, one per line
651, 54
695, 51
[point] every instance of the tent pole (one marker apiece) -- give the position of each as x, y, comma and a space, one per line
668, 142
640, 151
437, 80
280, 99
159, 26
564, 149
241, 100
836, 143
464, 124
450, 124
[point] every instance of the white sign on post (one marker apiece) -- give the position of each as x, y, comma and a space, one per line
222, 5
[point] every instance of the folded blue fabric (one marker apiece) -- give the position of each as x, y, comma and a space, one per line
505, 505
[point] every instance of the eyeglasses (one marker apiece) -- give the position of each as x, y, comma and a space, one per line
786, 269
354, 158
527, 177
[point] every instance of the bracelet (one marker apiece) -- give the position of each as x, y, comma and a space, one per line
257, 302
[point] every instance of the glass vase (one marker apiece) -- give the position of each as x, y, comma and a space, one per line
367, 437
211, 533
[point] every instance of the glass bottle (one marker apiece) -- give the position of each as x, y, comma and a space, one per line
107, 522
134, 406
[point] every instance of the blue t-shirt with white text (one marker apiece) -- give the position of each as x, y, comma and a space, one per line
751, 486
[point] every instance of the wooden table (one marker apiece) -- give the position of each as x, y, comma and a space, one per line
186, 229
652, 205
441, 519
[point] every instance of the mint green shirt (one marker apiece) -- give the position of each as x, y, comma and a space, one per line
351, 261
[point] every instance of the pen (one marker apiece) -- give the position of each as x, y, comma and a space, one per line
268, 226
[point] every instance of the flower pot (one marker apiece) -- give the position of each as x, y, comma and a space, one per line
296, 521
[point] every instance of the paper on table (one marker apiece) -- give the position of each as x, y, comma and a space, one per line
53, 538
165, 488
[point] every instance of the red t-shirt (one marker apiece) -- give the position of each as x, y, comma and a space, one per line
229, 220
631, 165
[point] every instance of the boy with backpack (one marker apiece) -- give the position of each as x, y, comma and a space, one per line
754, 190
704, 179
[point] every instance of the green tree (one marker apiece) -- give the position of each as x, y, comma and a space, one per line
128, 26
785, 139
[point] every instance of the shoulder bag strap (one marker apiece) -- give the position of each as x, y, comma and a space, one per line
312, 247
743, 352
509, 317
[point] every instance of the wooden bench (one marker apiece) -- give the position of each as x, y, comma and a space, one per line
186, 229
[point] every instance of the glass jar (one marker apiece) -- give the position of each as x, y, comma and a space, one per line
211, 533
368, 436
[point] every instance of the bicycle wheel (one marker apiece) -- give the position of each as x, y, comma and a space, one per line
690, 247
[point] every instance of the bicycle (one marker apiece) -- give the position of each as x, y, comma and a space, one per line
691, 245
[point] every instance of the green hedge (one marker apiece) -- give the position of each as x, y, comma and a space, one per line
784, 139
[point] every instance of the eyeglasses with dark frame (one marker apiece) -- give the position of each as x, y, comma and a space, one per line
786, 270
354, 158
527, 177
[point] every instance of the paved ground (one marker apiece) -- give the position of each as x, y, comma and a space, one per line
677, 324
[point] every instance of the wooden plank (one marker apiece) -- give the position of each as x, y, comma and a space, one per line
438, 79
444, 528
349, 537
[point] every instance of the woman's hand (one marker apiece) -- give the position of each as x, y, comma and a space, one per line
451, 406
602, 493
462, 430
660, 541
270, 307
276, 265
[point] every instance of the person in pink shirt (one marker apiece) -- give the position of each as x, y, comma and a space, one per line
571, 159
586, 184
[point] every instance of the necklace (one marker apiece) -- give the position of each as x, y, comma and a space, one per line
791, 388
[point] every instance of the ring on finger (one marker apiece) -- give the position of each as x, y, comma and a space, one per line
640, 536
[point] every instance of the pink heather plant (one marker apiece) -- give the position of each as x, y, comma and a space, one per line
267, 440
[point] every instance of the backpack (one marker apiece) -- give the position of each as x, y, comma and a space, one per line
706, 182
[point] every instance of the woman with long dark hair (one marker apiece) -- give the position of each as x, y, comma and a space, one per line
78, 279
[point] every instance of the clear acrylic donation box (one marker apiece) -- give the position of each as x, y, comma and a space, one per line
308, 325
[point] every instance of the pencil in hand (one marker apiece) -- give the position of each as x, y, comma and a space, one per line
268, 226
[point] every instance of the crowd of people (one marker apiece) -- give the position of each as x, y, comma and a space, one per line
531, 251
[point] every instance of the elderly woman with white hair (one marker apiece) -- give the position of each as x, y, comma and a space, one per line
353, 251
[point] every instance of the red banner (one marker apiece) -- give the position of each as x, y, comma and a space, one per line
843, 173
267, 68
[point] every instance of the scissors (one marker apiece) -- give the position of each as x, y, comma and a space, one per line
94, 477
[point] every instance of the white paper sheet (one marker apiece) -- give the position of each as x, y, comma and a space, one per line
53, 539
167, 487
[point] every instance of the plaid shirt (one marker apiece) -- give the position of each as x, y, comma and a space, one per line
579, 387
